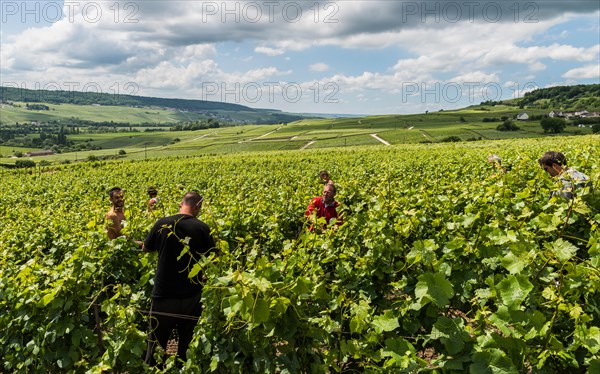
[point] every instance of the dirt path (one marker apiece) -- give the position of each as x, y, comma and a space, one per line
381, 140
426, 135
258, 137
308, 144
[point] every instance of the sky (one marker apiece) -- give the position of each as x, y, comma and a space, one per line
345, 57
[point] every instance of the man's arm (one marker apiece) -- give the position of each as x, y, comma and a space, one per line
148, 244
310, 208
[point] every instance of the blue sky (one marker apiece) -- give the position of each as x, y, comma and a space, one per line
355, 57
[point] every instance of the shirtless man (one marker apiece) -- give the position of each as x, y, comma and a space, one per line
324, 175
115, 215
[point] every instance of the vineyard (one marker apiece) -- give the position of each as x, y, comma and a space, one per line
442, 263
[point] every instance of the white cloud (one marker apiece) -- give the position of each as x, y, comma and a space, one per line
269, 51
167, 75
319, 67
362, 98
175, 46
591, 71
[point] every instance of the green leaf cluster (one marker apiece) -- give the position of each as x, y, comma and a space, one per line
442, 264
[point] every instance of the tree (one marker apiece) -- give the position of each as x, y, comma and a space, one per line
507, 125
61, 138
553, 125
451, 139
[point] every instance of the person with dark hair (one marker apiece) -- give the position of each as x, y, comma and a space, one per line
323, 206
153, 194
324, 175
175, 296
555, 164
116, 214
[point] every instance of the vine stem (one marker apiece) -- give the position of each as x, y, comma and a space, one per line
567, 219
555, 314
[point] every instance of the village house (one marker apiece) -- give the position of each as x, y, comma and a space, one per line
522, 116
579, 114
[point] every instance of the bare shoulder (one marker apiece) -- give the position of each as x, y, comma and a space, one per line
115, 216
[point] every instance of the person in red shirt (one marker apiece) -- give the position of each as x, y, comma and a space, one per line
323, 206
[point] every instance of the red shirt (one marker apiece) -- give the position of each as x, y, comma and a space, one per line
318, 204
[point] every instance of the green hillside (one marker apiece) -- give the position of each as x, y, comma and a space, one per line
104, 107
467, 125
565, 98
67, 106
141, 132
89, 98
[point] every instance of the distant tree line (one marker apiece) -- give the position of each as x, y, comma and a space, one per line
37, 107
8, 94
196, 125
576, 97
30, 136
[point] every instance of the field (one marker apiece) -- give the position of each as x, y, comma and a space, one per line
466, 124
442, 263
64, 112
9, 151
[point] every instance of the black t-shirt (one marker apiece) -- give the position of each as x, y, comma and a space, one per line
171, 279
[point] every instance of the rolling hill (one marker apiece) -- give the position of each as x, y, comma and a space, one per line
474, 123
102, 106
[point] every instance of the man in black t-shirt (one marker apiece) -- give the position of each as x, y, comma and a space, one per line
174, 293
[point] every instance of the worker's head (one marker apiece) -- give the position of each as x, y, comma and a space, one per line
117, 197
191, 203
553, 162
328, 193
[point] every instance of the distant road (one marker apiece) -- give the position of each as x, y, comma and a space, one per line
381, 140
308, 144
258, 137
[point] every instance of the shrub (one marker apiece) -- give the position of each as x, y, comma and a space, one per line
507, 125
451, 139
25, 164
